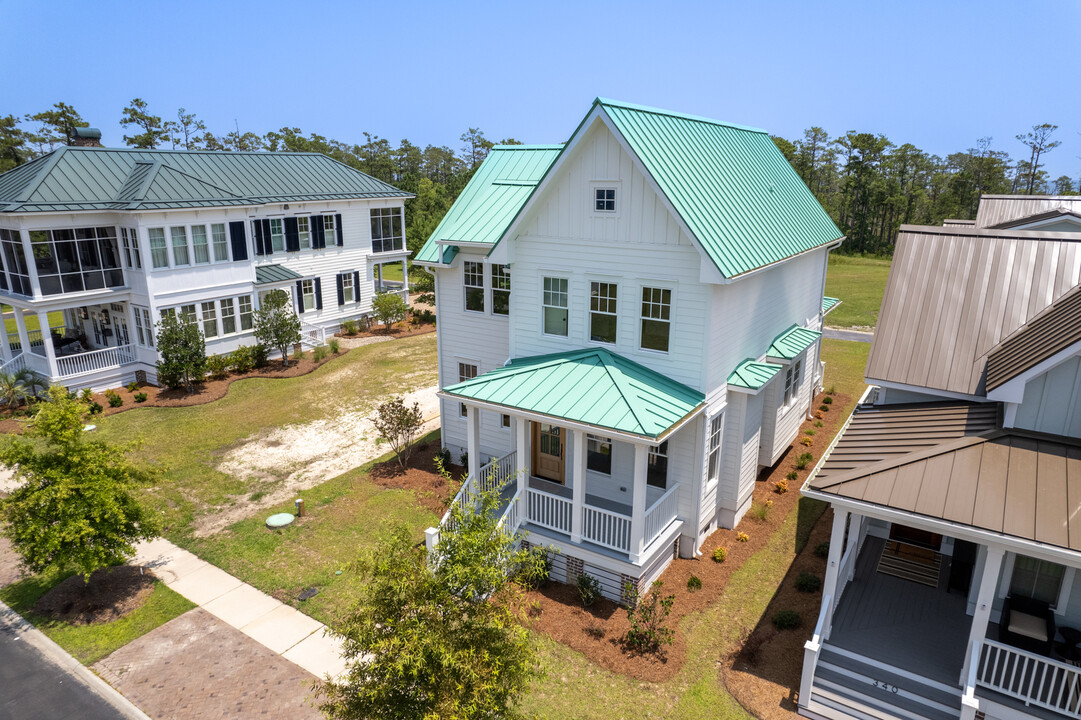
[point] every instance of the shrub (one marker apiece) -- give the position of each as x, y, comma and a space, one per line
320, 353
818, 414
536, 573
398, 424
183, 352
595, 631
463, 459
720, 554
140, 397
298, 354
786, 620
823, 408
443, 456
831, 390
389, 308
589, 589
810, 432
822, 549
792, 475
819, 423
217, 366
781, 486
133, 387
803, 460
110, 393
647, 615
694, 583
808, 582
242, 359
260, 356
827, 400
95, 408
115, 400
742, 537
334, 345
276, 324
349, 327
760, 511
806, 441
86, 395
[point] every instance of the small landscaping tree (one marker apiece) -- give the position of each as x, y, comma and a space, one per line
75, 507
424, 285
398, 424
183, 352
389, 308
438, 639
276, 325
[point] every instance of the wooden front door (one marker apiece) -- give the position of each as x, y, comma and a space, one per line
548, 452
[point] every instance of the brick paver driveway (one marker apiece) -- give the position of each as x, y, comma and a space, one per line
196, 666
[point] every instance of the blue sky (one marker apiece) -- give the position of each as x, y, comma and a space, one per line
936, 74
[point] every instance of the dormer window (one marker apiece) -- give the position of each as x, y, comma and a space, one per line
604, 199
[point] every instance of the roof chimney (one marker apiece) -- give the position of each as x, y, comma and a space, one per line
87, 137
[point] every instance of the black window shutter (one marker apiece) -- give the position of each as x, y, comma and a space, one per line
268, 246
338, 225
318, 294
341, 290
238, 240
356, 285
292, 235
300, 296
319, 236
257, 225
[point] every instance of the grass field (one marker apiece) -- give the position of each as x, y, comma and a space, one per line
56, 320
859, 283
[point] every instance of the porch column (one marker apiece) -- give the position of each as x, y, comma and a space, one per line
578, 484
405, 280
472, 423
521, 447
5, 347
20, 327
28, 253
833, 564
638, 502
992, 568
47, 341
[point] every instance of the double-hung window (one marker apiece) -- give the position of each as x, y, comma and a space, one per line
598, 454
555, 306
131, 248
307, 292
500, 290
466, 371
187, 312
657, 466
656, 318
210, 319
792, 380
304, 231
329, 230
713, 469
200, 244
386, 229
244, 302
221, 244
1036, 579
602, 312
159, 254
474, 286
228, 316
277, 235
144, 329
180, 246
348, 294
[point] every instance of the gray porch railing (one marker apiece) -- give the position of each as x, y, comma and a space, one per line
68, 365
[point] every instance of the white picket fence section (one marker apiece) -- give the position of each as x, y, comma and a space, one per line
1032, 679
661, 513
94, 360
548, 510
606, 528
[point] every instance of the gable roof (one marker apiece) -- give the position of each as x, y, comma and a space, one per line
1057, 213
94, 178
1051, 331
593, 387
954, 293
1001, 211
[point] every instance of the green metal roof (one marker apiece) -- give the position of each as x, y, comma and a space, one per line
266, 274
594, 387
829, 303
492, 198
94, 178
792, 342
752, 375
733, 188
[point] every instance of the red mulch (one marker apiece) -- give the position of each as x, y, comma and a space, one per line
420, 476
596, 633
111, 594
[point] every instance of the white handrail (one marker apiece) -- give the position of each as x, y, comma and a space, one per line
94, 360
811, 650
969, 704
1033, 679
14, 364
606, 528
661, 513
548, 510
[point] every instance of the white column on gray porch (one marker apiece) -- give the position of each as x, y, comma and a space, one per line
578, 484
992, 568
638, 502
521, 447
833, 564
47, 341
472, 423
5, 347
20, 328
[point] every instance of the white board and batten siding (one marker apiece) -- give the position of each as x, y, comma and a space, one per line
1052, 401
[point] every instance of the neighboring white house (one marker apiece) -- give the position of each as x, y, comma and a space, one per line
109, 238
952, 584
628, 327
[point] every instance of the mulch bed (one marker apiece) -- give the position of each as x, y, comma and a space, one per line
111, 594
400, 330
420, 475
596, 633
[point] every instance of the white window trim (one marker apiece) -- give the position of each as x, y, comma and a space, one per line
555, 276
1064, 588
787, 403
620, 300
458, 366
671, 316
594, 186
590, 437
487, 302
217, 314
712, 482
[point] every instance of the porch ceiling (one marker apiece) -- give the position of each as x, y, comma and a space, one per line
593, 387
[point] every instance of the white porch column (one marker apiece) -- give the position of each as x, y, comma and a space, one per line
20, 328
833, 565
47, 341
638, 502
992, 568
578, 484
521, 446
472, 422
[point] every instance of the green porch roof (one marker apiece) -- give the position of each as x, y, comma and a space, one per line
593, 387
792, 342
829, 303
266, 274
94, 178
492, 198
752, 375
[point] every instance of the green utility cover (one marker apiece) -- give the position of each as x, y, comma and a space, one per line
279, 520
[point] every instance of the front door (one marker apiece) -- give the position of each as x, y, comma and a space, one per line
548, 452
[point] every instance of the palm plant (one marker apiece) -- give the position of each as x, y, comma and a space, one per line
24, 383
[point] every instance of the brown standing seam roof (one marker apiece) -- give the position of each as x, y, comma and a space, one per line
954, 293
1018, 484
994, 210
1037, 217
1051, 331
884, 432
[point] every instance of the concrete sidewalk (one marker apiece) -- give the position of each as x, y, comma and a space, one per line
275, 625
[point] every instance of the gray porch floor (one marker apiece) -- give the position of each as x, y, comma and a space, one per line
917, 628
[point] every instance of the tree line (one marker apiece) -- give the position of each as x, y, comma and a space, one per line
434, 174
870, 185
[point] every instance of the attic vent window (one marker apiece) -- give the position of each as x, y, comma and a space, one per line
604, 199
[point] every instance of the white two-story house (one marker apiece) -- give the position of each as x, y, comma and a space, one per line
952, 585
96, 243
628, 329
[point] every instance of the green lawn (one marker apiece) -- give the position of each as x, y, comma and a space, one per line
187, 443
90, 643
56, 320
859, 283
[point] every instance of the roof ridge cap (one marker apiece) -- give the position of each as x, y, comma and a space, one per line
49, 161
671, 113
165, 166
608, 361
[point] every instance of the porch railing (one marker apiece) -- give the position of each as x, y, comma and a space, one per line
661, 513
14, 364
467, 494
548, 510
606, 528
1032, 679
312, 335
811, 650
504, 471
34, 337
94, 360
